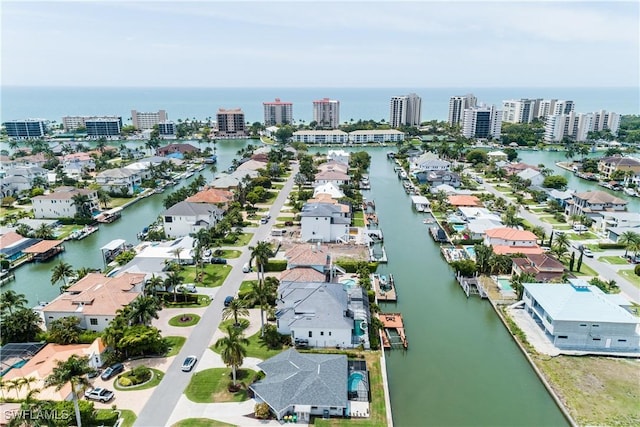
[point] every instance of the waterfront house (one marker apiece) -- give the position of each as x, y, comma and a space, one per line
439, 177
12, 245
608, 165
562, 197
458, 201
609, 220
506, 241
477, 228
329, 188
592, 203
470, 214
325, 315
74, 161
541, 266
304, 384
579, 317
185, 218
430, 165
41, 364
336, 177
176, 148
515, 168
376, 136
339, 156
95, 300
119, 181
532, 175
251, 165
225, 181
213, 196
333, 166
324, 222
497, 156
38, 160
321, 136
60, 204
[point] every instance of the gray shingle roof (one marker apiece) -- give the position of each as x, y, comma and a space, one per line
315, 304
303, 379
192, 209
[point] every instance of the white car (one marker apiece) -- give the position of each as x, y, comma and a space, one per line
100, 394
587, 252
189, 363
189, 287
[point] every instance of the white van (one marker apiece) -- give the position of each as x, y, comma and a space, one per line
579, 228
246, 268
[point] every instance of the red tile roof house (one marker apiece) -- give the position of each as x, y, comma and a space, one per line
543, 267
506, 241
95, 299
176, 148
465, 201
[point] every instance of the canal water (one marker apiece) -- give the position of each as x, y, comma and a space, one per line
462, 367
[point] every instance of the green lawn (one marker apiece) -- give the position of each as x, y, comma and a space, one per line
584, 236
201, 422
243, 240
154, 381
630, 276
64, 231
214, 274
246, 285
243, 323
256, 348
210, 385
277, 186
377, 408
553, 221
175, 344
230, 253
175, 321
613, 260
585, 270
358, 219
203, 301
116, 202
128, 416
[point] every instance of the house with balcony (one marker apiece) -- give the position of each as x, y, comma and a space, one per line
119, 181
324, 222
339, 156
321, 136
95, 300
541, 266
185, 218
579, 317
617, 220
593, 203
376, 136
60, 204
507, 241
331, 176
439, 177
608, 165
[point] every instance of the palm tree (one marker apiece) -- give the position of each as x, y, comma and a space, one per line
234, 309
574, 218
82, 203
10, 299
104, 198
176, 252
83, 271
152, 285
563, 241
44, 232
233, 349
538, 230
173, 280
61, 271
143, 309
261, 253
73, 371
627, 238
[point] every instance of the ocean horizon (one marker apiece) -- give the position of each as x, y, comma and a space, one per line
54, 102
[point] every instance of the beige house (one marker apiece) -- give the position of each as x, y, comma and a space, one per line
608, 165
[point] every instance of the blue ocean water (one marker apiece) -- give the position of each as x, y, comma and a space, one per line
53, 103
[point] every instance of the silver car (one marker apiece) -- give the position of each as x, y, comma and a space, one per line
100, 394
189, 363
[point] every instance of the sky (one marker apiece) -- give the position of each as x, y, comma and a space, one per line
321, 43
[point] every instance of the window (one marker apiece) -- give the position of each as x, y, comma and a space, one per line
329, 333
596, 339
595, 326
93, 321
563, 337
321, 333
310, 334
622, 340
168, 219
583, 325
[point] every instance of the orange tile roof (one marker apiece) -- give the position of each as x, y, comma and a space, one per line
307, 255
464, 200
332, 175
42, 247
507, 233
507, 250
302, 274
10, 239
211, 195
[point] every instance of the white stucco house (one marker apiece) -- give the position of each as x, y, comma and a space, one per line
119, 180
339, 156
324, 222
185, 218
59, 204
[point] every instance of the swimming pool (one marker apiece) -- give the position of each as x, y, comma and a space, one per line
358, 382
471, 251
459, 227
348, 283
504, 284
360, 327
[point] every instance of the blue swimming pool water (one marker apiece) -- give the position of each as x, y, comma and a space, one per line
354, 380
458, 227
348, 283
505, 284
471, 251
359, 330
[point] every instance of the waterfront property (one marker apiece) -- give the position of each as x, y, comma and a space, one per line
119, 180
44, 250
321, 136
13, 245
579, 317
591, 203
376, 136
185, 218
339, 156
608, 165
95, 300
507, 241
541, 266
180, 148
325, 222
61, 204
393, 335
617, 220
304, 385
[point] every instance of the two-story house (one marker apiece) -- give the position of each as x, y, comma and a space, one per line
60, 203
324, 222
336, 177
608, 165
506, 241
541, 266
592, 203
185, 218
119, 180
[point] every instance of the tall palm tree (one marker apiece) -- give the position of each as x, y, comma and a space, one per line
44, 232
176, 252
74, 371
233, 349
10, 299
61, 272
103, 198
261, 253
143, 309
627, 238
562, 240
82, 203
83, 271
152, 285
234, 309
173, 280
260, 293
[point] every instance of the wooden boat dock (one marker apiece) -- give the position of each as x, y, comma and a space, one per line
393, 335
472, 286
385, 290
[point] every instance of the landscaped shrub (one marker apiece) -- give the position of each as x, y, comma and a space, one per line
138, 375
611, 246
276, 265
105, 418
262, 411
636, 270
124, 381
351, 266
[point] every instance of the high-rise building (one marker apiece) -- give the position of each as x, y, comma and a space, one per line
278, 113
167, 129
326, 112
457, 105
26, 129
520, 110
231, 123
107, 126
482, 122
405, 110
572, 125
550, 107
144, 121
603, 120
73, 122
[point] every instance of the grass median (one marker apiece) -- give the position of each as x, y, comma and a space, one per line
211, 385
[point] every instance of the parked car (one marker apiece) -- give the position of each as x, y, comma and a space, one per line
189, 363
579, 228
112, 370
189, 287
218, 260
288, 223
301, 343
93, 373
227, 301
264, 220
587, 252
100, 394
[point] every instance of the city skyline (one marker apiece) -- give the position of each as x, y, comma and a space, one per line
422, 44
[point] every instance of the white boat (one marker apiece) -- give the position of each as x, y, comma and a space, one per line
383, 280
403, 175
629, 191
428, 221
